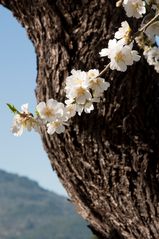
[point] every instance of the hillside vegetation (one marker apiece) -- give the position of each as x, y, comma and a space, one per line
29, 212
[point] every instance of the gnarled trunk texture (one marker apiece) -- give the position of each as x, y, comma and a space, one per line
108, 160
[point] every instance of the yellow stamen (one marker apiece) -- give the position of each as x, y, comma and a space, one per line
80, 91
119, 56
48, 112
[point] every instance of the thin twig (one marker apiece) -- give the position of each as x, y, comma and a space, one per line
104, 70
146, 25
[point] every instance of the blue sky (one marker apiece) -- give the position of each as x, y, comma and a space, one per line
22, 155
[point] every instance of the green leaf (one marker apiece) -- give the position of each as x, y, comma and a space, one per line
37, 113
12, 108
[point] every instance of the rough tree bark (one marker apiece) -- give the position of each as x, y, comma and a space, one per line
108, 161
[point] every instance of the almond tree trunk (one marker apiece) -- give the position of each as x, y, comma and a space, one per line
108, 160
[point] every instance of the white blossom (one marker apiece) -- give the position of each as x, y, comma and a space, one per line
17, 128
23, 120
134, 8
55, 126
77, 79
120, 55
77, 87
123, 32
78, 91
97, 84
25, 108
82, 95
104, 52
152, 57
87, 108
70, 110
51, 110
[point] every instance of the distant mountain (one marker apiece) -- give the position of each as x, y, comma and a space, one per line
29, 212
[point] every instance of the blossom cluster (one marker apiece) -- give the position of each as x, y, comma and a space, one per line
82, 90
120, 49
22, 120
